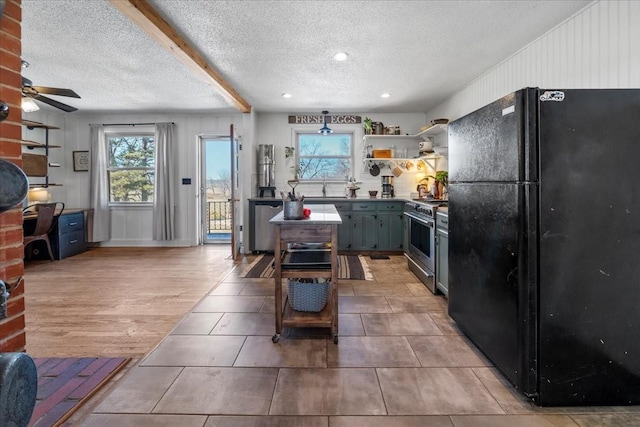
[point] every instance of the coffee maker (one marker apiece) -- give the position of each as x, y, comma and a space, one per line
387, 187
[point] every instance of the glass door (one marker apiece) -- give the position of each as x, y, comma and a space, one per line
216, 189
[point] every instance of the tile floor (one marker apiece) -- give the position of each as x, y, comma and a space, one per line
400, 362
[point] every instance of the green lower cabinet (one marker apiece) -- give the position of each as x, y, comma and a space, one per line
365, 231
390, 231
369, 226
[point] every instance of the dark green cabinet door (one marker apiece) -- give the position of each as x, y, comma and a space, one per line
391, 231
365, 231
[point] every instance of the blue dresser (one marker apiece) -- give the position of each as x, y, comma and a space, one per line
67, 237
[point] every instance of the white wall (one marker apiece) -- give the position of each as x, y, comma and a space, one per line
131, 226
599, 47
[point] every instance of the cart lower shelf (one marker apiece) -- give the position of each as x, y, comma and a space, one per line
303, 319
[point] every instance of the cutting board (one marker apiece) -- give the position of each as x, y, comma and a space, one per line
34, 164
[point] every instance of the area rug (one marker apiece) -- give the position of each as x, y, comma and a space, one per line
64, 384
352, 267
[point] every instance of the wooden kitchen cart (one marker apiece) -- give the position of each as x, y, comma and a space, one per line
320, 227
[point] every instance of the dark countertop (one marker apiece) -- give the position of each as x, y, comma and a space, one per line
335, 199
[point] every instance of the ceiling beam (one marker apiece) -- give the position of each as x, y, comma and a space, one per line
149, 20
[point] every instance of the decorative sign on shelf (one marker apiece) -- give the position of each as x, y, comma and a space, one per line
318, 119
80, 161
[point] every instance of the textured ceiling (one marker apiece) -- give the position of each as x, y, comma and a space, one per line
421, 52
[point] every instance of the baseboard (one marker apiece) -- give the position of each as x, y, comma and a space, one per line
143, 243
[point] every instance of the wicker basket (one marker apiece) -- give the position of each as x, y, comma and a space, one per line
308, 296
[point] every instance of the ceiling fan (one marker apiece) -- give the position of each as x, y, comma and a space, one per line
35, 92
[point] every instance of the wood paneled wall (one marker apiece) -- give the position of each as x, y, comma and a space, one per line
12, 334
599, 47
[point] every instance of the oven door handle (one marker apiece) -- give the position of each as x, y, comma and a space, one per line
428, 223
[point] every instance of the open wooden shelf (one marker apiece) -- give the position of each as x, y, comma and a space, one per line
31, 124
430, 131
37, 164
34, 144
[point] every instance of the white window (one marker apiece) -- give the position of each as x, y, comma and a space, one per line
324, 156
131, 168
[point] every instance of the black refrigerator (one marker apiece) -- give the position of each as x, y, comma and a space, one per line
544, 241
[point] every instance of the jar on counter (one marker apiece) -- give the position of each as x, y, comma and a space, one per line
422, 191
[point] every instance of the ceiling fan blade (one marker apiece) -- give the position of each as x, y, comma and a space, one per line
54, 103
56, 91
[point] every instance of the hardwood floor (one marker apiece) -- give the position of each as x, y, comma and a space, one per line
112, 302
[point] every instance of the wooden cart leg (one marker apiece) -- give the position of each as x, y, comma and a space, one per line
278, 283
278, 296
334, 310
334, 283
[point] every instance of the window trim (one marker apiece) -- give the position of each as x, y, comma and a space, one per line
135, 133
351, 130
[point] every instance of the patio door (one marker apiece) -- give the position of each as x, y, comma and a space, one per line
216, 190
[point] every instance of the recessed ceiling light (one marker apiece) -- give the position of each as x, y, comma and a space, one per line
286, 95
340, 56
385, 95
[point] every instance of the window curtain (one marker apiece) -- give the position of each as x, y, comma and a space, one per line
99, 186
163, 201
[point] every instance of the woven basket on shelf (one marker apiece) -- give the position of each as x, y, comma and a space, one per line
305, 296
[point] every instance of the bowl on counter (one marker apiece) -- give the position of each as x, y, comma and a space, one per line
373, 193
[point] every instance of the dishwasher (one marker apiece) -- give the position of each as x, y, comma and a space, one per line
263, 231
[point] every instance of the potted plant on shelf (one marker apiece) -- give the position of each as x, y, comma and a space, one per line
367, 125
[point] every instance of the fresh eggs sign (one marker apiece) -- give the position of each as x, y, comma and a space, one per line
319, 119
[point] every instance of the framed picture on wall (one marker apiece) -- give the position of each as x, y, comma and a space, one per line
80, 161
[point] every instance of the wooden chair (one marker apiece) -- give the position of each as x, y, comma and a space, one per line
44, 224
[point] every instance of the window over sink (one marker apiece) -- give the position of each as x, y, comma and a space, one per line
324, 157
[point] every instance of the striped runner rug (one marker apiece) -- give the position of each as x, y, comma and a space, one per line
64, 384
349, 267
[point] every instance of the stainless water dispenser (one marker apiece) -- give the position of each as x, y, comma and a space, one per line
266, 169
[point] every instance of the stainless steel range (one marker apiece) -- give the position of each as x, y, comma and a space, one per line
420, 245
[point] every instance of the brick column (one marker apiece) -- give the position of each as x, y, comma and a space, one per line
12, 333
